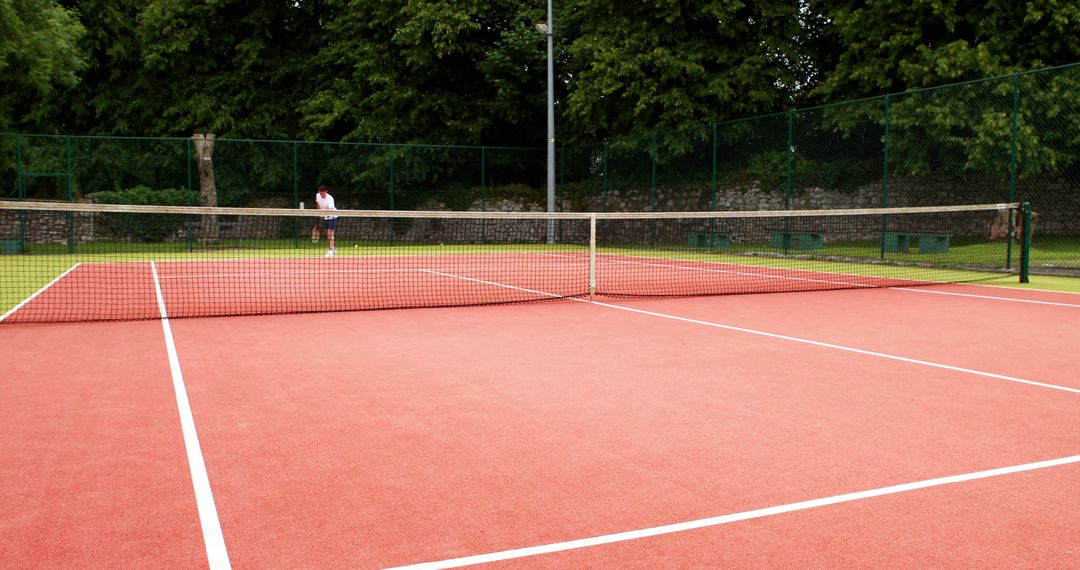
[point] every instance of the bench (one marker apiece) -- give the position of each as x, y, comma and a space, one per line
929, 242
8, 246
708, 239
217, 229
229, 230
791, 239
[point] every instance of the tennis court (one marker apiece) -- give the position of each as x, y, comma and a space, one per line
929, 425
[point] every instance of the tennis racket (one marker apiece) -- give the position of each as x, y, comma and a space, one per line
315, 233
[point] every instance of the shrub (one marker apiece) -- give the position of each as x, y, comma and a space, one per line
143, 227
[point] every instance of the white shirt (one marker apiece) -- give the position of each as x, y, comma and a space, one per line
326, 203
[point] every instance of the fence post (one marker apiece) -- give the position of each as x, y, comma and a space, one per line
885, 174
562, 177
21, 183
790, 156
885, 155
654, 236
715, 189
296, 191
296, 174
652, 180
607, 206
1013, 147
1025, 244
70, 195
190, 195
391, 181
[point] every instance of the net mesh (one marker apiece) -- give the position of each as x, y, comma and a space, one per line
79, 262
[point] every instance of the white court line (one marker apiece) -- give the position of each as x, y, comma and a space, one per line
858, 285
39, 291
316, 272
763, 275
990, 297
1023, 289
293, 273
214, 540
738, 517
704, 266
855, 285
757, 513
784, 337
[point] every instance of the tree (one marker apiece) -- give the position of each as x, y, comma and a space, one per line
38, 56
235, 67
893, 45
433, 71
166, 67
641, 67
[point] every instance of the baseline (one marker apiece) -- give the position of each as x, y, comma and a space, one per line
988, 297
737, 517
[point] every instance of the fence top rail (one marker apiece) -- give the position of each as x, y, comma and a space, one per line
282, 142
219, 211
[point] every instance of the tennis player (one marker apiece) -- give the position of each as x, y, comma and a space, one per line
326, 202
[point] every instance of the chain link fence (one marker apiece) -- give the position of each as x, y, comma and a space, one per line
1004, 139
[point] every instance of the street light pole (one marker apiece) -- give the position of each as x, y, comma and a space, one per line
549, 31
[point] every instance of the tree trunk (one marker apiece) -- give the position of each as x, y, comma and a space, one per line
204, 151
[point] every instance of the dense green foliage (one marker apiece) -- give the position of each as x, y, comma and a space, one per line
474, 72
141, 227
39, 54
891, 45
672, 64
146, 196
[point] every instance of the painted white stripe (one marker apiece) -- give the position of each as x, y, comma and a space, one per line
853, 284
788, 338
270, 274
767, 275
39, 291
1023, 288
214, 540
495, 284
990, 297
737, 517
849, 349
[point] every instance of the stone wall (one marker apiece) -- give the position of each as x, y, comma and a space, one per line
50, 228
1055, 198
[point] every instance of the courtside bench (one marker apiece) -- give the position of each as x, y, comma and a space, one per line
714, 240
929, 242
11, 246
228, 230
786, 239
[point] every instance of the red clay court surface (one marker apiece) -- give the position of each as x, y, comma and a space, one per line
885, 428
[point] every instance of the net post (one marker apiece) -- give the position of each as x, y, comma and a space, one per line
592, 255
1025, 244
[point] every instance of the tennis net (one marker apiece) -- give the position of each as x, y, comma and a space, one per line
84, 262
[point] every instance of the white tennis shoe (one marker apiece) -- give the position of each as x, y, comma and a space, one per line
330, 253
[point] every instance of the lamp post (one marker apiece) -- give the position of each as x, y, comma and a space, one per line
548, 31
